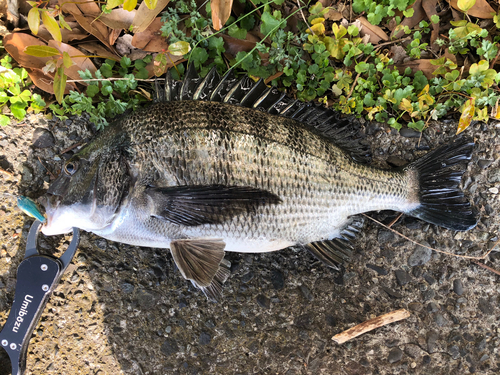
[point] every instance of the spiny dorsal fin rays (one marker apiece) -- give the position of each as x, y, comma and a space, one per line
247, 93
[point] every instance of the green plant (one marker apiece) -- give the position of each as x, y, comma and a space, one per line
13, 92
106, 98
378, 9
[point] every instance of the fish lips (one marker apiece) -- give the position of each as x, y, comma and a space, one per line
51, 201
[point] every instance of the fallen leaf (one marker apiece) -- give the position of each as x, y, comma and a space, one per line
59, 84
273, 77
418, 15
45, 82
422, 65
76, 33
118, 19
41, 51
467, 113
481, 9
81, 63
429, 7
94, 28
113, 35
88, 7
375, 32
221, 10
145, 16
398, 54
333, 15
96, 49
151, 39
235, 45
16, 43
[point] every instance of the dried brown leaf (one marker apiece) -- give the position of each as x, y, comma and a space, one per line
145, 16
118, 19
418, 15
45, 81
429, 7
76, 33
481, 9
333, 15
113, 35
375, 32
221, 10
96, 49
422, 65
16, 43
235, 45
80, 63
95, 28
151, 39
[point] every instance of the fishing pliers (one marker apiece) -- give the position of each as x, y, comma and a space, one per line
37, 277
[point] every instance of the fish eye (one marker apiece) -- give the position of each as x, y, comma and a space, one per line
71, 167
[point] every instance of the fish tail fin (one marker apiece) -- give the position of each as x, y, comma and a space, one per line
439, 173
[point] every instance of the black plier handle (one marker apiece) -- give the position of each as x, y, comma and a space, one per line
37, 277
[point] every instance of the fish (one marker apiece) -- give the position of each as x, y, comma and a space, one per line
220, 164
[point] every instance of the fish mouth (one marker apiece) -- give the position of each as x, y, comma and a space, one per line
51, 204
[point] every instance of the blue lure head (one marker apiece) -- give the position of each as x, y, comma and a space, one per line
30, 208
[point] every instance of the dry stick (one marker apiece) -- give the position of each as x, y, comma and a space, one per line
396, 219
370, 325
431, 248
304, 17
488, 268
70, 148
6, 172
51, 174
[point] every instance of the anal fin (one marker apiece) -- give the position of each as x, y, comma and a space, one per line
202, 262
338, 250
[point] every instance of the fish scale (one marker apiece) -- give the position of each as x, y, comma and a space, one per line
246, 169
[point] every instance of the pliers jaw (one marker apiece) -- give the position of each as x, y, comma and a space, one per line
37, 277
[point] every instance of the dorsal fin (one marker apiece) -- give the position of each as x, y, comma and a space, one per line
343, 132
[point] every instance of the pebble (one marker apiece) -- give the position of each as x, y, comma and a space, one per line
409, 133
205, 338
494, 175
458, 287
432, 307
484, 163
381, 271
396, 161
493, 190
415, 306
485, 306
247, 277
432, 337
169, 347
42, 138
454, 352
263, 301
277, 279
395, 355
390, 292
385, 236
420, 256
402, 277
430, 280
306, 292
440, 320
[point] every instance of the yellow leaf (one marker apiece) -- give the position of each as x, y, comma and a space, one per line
317, 20
34, 20
41, 51
59, 84
151, 4
67, 60
130, 5
465, 5
52, 26
405, 105
424, 91
63, 23
318, 29
467, 114
179, 48
110, 4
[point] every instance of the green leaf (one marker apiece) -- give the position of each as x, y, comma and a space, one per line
142, 73
52, 26
67, 60
179, 48
92, 90
236, 32
269, 23
408, 12
18, 110
125, 62
41, 51
217, 44
435, 18
4, 120
199, 56
34, 20
59, 84
106, 70
63, 23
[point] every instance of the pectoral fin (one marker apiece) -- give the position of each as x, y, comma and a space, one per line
202, 261
210, 204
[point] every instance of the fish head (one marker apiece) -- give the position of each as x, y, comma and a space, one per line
88, 192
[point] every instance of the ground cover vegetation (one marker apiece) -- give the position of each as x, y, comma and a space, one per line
402, 62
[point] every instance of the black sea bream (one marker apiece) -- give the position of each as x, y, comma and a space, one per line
221, 165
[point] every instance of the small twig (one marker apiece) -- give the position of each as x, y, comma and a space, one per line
70, 148
394, 221
113, 79
304, 17
431, 248
6, 172
51, 174
355, 81
488, 268
370, 325
494, 61
392, 42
